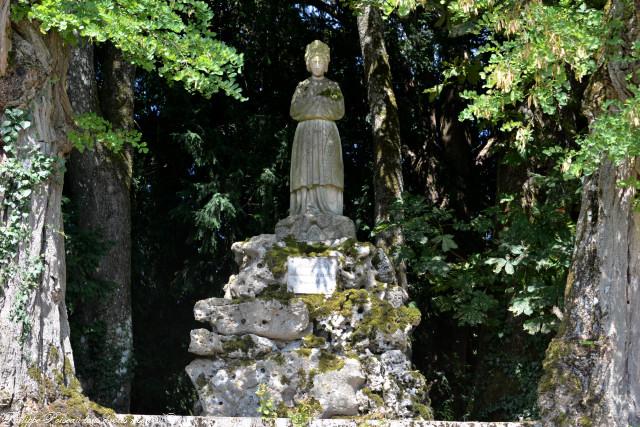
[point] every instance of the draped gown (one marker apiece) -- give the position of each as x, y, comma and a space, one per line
317, 171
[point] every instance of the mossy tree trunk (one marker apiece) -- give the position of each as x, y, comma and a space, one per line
385, 123
592, 368
35, 352
100, 182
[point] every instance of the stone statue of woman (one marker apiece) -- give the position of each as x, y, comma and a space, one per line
317, 172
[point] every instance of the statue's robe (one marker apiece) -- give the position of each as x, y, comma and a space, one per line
317, 171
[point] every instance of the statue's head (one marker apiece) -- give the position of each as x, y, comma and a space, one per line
317, 58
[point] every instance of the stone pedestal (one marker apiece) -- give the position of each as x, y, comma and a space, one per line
315, 228
343, 351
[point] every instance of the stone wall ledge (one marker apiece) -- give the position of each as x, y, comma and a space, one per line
6, 419
184, 421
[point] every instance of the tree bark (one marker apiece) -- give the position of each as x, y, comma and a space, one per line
100, 183
5, 39
592, 368
388, 182
34, 365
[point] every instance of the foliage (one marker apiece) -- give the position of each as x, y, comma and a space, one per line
266, 407
616, 134
93, 129
403, 7
210, 217
522, 262
300, 415
22, 170
26, 276
171, 37
534, 51
304, 412
537, 52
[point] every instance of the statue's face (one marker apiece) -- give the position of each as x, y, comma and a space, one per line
317, 66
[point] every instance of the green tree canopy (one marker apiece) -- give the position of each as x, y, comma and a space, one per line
172, 37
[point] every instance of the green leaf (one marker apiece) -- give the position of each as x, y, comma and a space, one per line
508, 268
448, 243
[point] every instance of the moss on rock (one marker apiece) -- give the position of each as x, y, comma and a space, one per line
276, 257
243, 343
329, 362
312, 341
380, 315
303, 352
278, 358
423, 411
373, 396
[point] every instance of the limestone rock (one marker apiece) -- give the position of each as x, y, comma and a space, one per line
357, 273
266, 318
395, 363
247, 252
402, 387
247, 346
384, 268
204, 343
396, 296
218, 392
336, 390
207, 343
229, 389
273, 341
315, 228
382, 342
373, 369
207, 307
254, 275
399, 389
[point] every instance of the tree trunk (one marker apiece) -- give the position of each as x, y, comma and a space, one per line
5, 40
592, 368
35, 352
100, 187
388, 183
460, 185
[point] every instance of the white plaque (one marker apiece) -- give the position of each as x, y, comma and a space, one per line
313, 275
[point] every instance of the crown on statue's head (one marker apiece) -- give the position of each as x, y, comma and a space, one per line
316, 48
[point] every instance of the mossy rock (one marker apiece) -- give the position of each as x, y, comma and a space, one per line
312, 341
276, 257
380, 316
422, 410
377, 400
328, 362
242, 343
303, 352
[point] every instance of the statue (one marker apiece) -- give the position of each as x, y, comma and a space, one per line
317, 172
